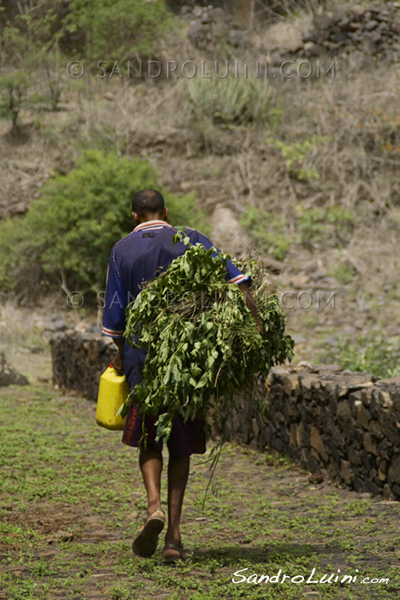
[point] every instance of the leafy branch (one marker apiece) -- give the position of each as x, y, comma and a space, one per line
201, 339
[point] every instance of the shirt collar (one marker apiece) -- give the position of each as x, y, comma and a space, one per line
152, 225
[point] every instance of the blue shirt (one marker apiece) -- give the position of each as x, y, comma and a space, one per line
139, 257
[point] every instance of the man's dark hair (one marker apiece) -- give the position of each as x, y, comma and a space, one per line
147, 201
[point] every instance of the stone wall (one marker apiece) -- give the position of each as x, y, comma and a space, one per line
354, 30
209, 25
79, 359
373, 29
340, 425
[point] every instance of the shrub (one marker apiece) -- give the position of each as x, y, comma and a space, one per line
298, 156
10, 238
371, 353
344, 272
232, 101
119, 28
14, 93
267, 231
70, 229
319, 224
29, 30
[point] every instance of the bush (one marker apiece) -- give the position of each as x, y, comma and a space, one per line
333, 223
13, 96
232, 101
372, 353
70, 230
30, 29
300, 156
119, 29
10, 238
267, 231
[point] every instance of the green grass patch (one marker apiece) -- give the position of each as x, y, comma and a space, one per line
72, 499
374, 353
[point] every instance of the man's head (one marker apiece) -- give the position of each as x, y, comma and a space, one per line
148, 205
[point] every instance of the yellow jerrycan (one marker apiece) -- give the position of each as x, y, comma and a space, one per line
113, 391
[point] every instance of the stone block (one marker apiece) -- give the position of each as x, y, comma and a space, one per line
292, 434
395, 397
290, 383
385, 400
354, 456
369, 443
345, 418
255, 428
366, 394
375, 429
394, 469
8, 375
317, 444
396, 491
346, 471
370, 25
300, 434
387, 422
361, 414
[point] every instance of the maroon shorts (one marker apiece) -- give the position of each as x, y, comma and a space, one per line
185, 438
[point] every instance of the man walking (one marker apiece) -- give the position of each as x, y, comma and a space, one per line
134, 260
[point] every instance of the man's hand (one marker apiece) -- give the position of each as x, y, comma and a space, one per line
259, 326
116, 362
251, 305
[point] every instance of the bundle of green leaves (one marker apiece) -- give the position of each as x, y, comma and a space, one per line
201, 338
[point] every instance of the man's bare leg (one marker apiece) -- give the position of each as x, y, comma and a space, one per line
145, 543
151, 463
178, 472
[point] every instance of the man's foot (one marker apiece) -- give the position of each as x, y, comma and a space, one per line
173, 553
145, 543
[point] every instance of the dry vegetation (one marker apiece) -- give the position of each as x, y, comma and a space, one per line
324, 169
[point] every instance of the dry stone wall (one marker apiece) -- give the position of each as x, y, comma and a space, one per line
337, 424
342, 425
79, 359
373, 29
367, 29
8, 375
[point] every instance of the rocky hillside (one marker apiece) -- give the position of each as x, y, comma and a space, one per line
314, 189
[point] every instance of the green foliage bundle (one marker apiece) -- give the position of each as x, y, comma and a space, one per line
70, 230
119, 29
201, 338
232, 100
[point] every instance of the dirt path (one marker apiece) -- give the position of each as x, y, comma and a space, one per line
72, 500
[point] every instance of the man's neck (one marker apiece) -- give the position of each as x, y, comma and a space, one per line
150, 217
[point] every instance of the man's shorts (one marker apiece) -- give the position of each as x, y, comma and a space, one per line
185, 438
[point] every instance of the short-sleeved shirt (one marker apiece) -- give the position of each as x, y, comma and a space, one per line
138, 258
135, 260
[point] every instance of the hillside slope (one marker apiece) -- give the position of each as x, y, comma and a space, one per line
315, 187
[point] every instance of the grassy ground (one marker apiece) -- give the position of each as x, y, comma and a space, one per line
72, 500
